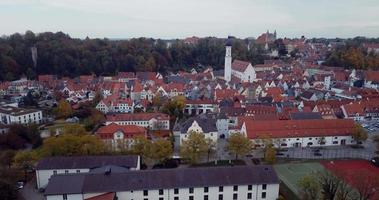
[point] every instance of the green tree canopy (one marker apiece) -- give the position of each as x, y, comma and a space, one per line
194, 147
309, 187
161, 150
239, 144
359, 133
72, 145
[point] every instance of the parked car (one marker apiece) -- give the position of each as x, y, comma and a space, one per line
317, 154
20, 185
375, 161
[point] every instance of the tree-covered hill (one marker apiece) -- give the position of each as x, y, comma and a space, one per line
58, 53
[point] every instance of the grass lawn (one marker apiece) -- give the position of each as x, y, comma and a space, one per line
291, 173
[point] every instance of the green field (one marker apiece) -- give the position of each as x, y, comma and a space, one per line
289, 174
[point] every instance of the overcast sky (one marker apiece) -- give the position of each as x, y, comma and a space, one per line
183, 18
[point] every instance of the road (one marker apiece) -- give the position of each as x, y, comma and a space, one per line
30, 193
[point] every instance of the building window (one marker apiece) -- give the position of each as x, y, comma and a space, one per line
176, 191
160, 192
263, 195
235, 188
205, 197
161, 198
190, 198
220, 197
145, 193
78, 171
249, 196
190, 190
249, 187
235, 196
55, 172
66, 171
64, 196
221, 189
206, 189
176, 198
264, 186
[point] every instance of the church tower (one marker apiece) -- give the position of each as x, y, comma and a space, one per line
228, 60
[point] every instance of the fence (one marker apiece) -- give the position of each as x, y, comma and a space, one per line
334, 153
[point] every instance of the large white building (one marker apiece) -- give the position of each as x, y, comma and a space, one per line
212, 183
13, 115
82, 164
300, 133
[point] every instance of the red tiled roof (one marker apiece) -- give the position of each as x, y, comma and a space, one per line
225, 93
354, 108
372, 76
260, 109
130, 131
240, 65
298, 128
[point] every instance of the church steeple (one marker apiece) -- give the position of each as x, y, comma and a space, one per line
228, 60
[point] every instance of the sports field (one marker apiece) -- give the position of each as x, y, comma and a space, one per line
291, 173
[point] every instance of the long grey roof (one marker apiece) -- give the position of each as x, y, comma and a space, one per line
161, 179
87, 162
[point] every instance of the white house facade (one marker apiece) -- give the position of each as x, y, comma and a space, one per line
12, 115
213, 183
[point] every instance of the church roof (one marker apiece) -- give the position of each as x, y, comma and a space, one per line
240, 65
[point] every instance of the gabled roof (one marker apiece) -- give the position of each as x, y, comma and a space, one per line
161, 179
205, 121
298, 128
129, 131
240, 65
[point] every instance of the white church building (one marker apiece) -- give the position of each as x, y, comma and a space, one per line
242, 70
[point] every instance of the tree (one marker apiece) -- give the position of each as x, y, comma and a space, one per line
6, 157
25, 160
141, 146
309, 188
194, 147
239, 145
265, 140
366, 184
74, 129
161, 150
97, 98
64, 109
330, 184
344, 192
7, 191
359, 133
174, 107
270, 154
72, 145
211, 147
